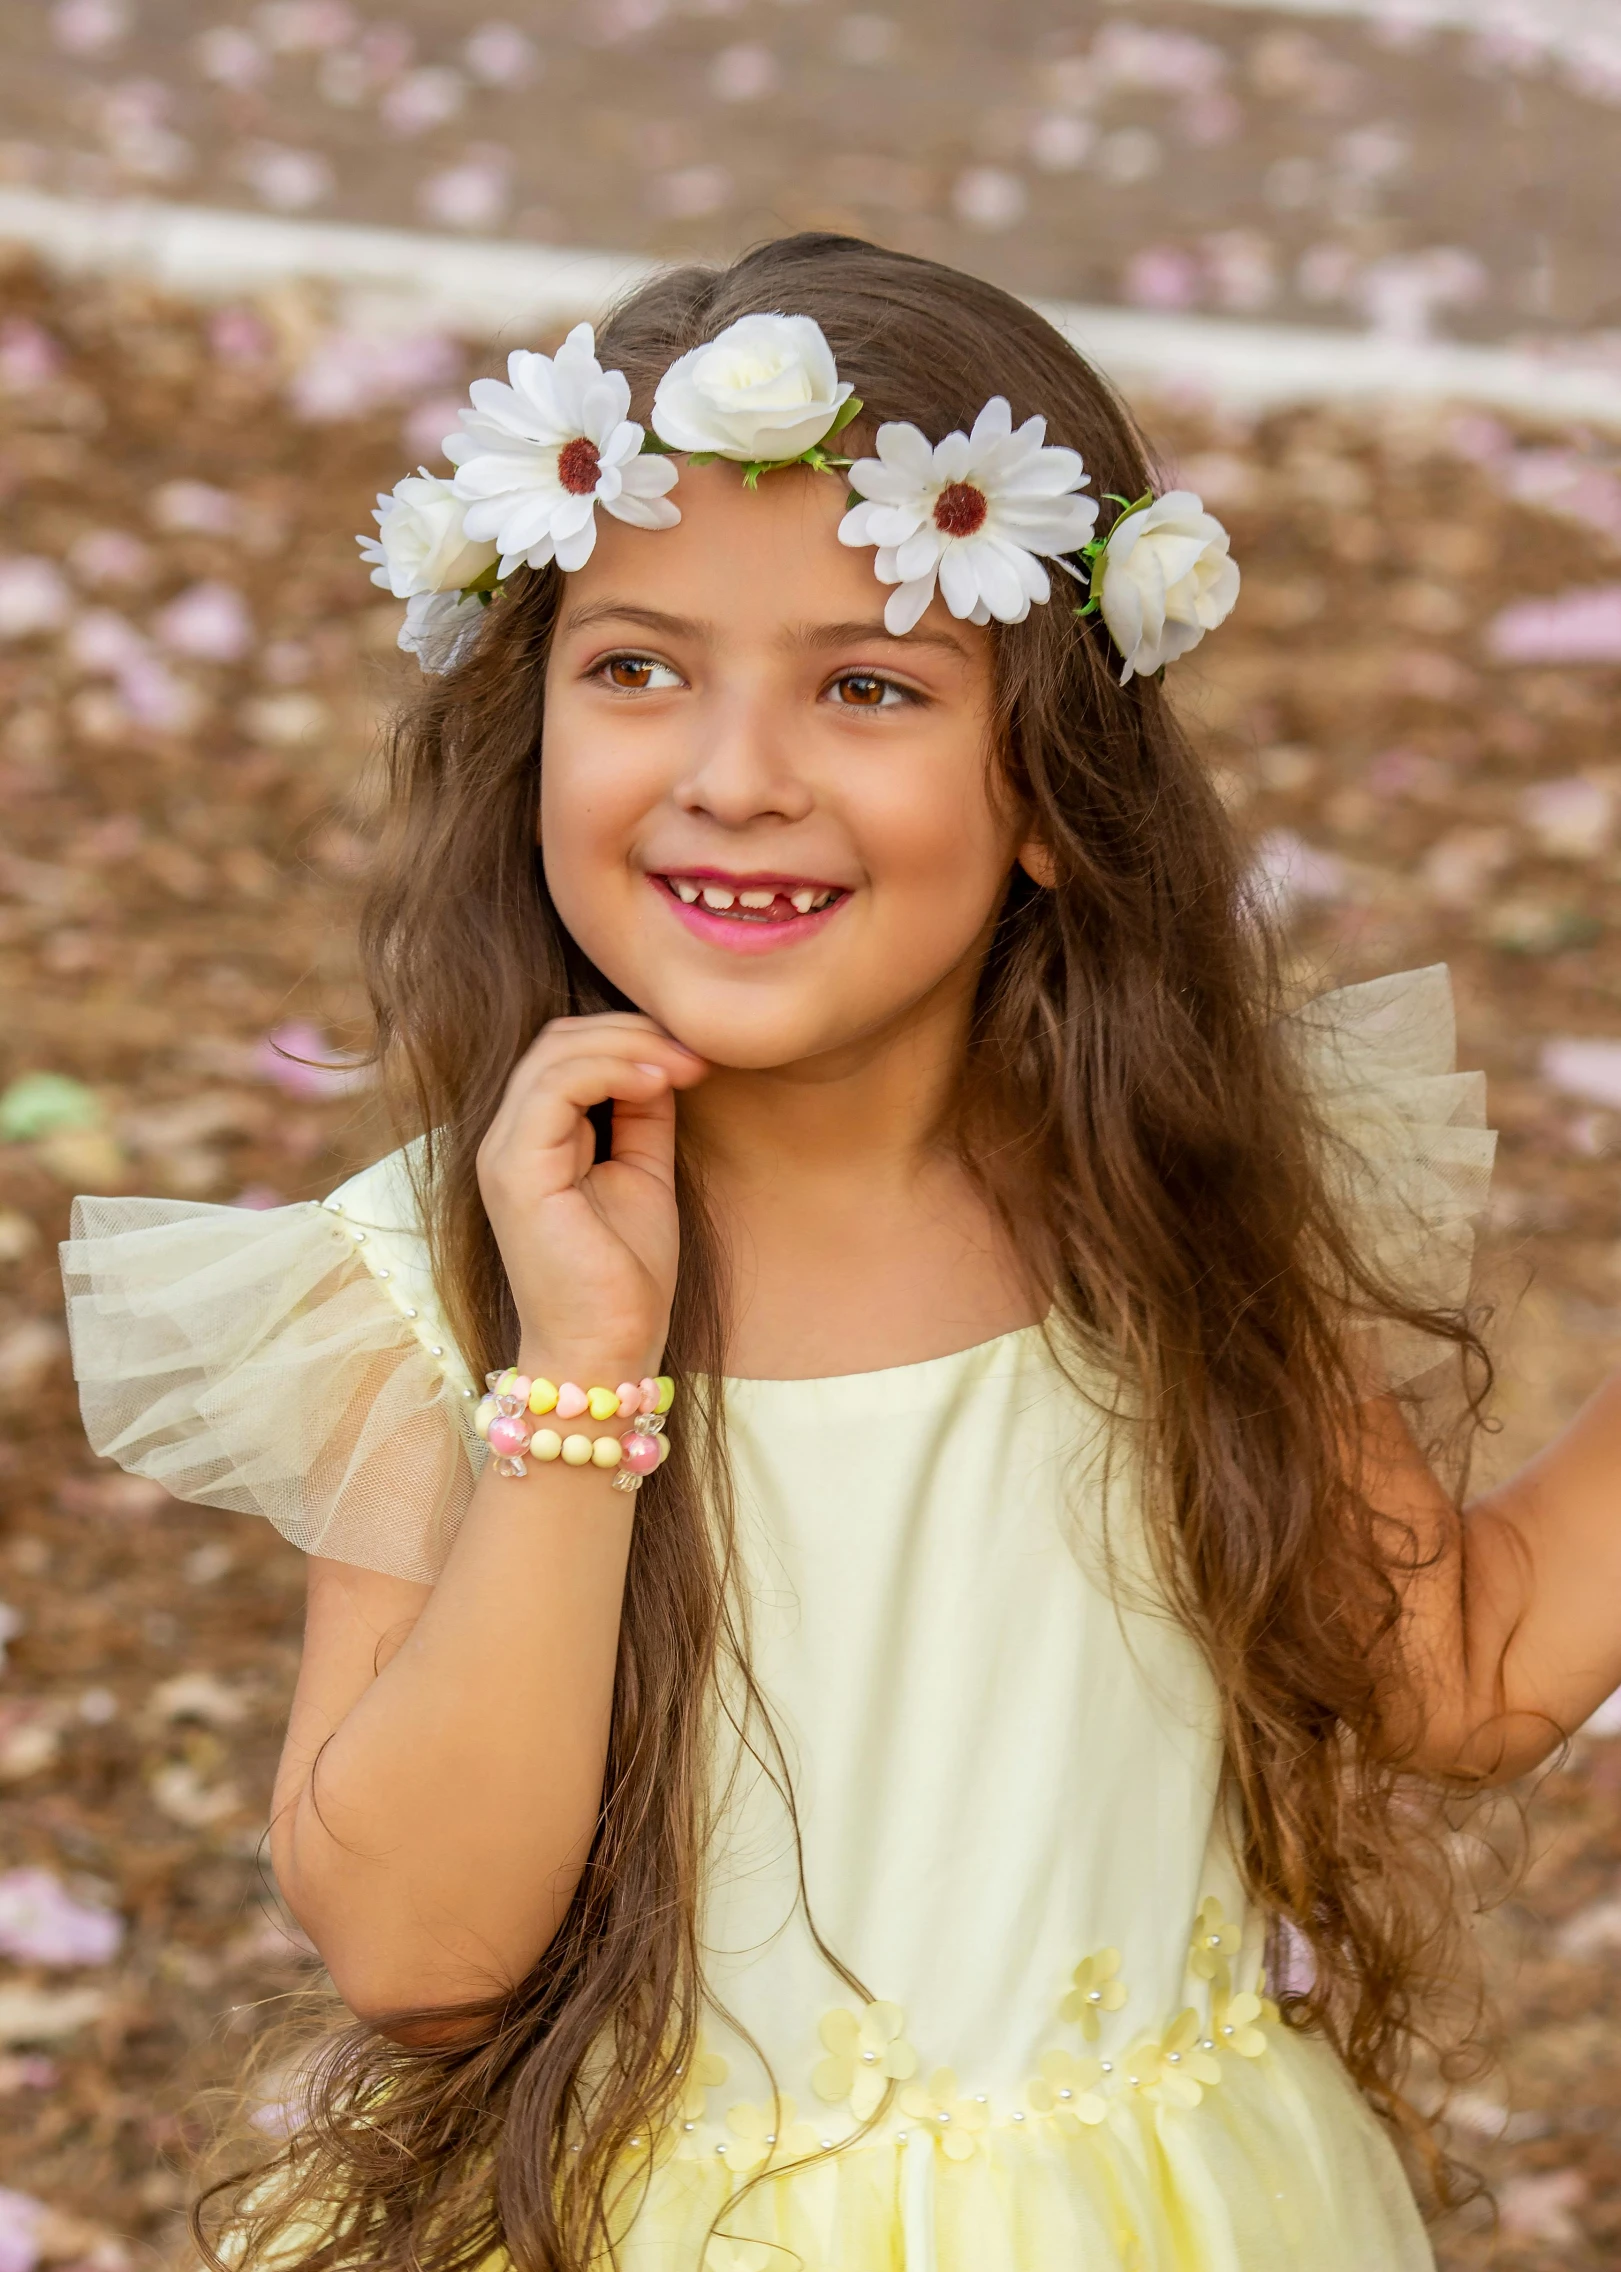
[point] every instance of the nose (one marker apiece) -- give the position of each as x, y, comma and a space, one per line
743, 769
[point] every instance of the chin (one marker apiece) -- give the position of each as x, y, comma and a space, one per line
744, 1038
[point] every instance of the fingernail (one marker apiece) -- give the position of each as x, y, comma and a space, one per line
643, 1067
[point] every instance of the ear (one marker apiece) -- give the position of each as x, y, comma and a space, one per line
1038, 863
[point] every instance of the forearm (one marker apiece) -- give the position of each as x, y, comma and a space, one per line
430, 1839
1543, 1582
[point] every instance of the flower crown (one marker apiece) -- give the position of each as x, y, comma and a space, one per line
972, 516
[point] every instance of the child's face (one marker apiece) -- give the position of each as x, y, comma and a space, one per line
775, 828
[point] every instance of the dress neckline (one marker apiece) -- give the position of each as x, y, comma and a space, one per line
998, 1354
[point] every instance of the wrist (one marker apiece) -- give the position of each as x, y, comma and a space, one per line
586, 1367
523, 1414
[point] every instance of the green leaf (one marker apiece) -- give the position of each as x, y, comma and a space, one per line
483, 584
652, 447
703, 457
848, 411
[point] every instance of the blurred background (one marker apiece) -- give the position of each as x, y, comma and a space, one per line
1355, 263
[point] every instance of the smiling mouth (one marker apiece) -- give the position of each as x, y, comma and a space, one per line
764, 900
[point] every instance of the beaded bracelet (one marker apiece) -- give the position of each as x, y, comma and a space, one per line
503, 1420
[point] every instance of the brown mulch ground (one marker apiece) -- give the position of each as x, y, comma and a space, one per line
171, 895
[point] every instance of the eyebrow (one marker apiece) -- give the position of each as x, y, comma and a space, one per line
814, 636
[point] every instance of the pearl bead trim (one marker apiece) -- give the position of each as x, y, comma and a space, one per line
371, 1254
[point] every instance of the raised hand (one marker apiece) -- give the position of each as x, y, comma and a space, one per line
590, 1247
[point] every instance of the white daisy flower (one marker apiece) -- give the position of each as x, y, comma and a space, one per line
971, 514
1164, 579
422, 543
540, 455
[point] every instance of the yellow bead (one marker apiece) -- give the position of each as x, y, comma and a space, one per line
576, 1451
664, 1449
545, 1443
483, 1416
542, 1397
605, 1452
602, 1403
666, 1393
503, 1386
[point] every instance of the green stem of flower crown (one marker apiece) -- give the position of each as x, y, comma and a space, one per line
817, 457
484, 586
1095, 553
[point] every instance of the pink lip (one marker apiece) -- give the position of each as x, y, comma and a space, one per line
748, 938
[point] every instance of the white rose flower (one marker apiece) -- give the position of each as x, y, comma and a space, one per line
421, 543
540, 455
1163, 580
764, 391
970, 513
439, 629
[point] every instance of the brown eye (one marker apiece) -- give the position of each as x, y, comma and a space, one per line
636, 674
862, 690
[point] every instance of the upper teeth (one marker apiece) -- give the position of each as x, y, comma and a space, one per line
722, 897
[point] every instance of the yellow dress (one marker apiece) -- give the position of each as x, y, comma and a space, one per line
1005, 1761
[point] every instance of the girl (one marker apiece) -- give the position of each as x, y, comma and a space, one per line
841, 1055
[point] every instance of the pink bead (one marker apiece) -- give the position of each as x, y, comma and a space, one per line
630, 1400
570, 1401
508, 1437
521, 1385
650, 1397
639, 1453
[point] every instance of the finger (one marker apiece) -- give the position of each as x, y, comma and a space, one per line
549, 1121
610, 1021
588, 1040
644, 1136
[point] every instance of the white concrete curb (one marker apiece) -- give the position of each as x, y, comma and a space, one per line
506, 293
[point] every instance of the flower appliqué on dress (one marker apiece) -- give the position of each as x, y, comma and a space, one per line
1067, 2086
1174, 2067
1098, 1989
1216, 1941
706, 2072
938, 2104
866, 2052
1236, 2022
761, 2134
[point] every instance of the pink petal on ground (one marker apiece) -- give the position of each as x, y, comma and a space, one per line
1585, 1068
42, 1923
210, 622
21, 2218
1575, 627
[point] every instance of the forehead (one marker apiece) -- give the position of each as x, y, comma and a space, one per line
737, 554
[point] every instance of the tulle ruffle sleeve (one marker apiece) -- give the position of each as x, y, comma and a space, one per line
1406, 1150
288, 1363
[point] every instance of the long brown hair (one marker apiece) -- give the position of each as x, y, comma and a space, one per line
1136, 1121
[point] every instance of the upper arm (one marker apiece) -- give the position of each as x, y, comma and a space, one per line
1460, 1585
354, 1621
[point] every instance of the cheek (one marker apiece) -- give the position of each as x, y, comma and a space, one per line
942, 852
594, 790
